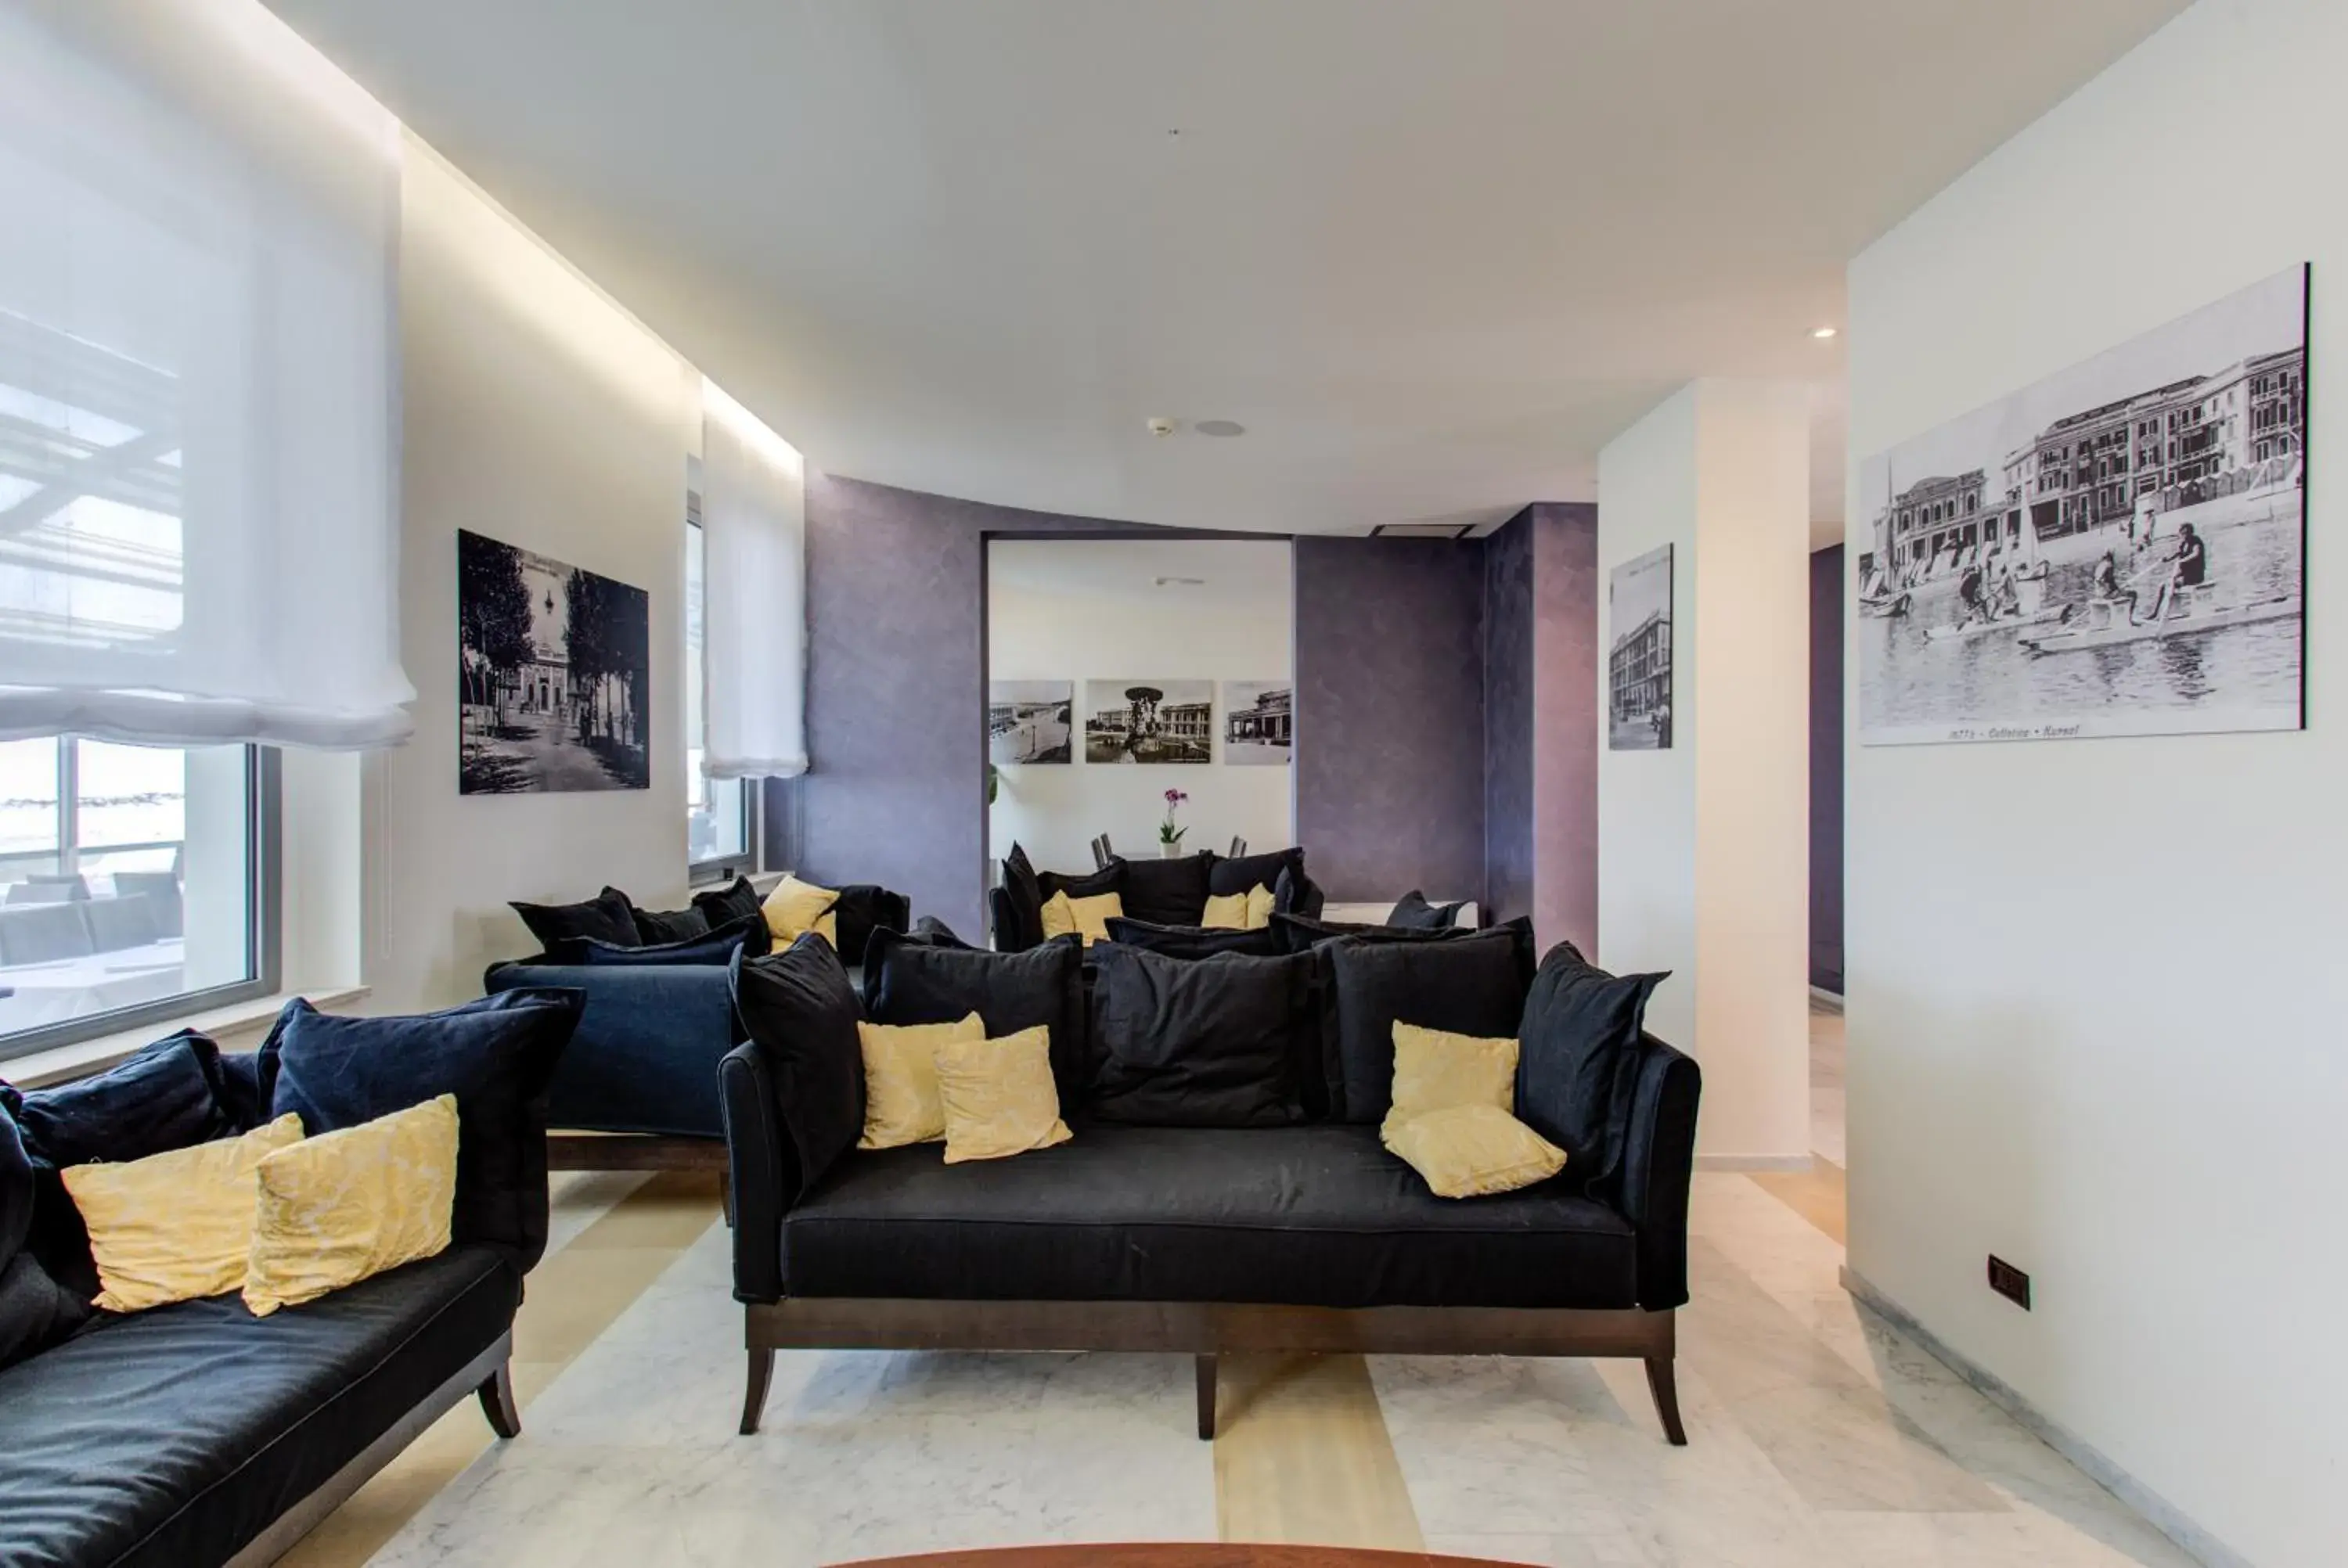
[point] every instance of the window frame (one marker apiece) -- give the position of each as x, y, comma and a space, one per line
744, 862
264, 818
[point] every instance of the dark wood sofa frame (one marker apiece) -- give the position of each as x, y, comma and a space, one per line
1206, 1329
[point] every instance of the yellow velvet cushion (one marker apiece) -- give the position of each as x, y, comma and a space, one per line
1435, 1071
900, 1079
1248, 911
1066, 917
999, 1096
796, 908
175, 1226
1468, 1151
342, 1207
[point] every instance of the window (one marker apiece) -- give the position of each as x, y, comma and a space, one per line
135, 885
717, 811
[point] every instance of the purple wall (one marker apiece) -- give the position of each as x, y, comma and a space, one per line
1565, 724
1390, 715
1511, 677
1826, 769
896, 698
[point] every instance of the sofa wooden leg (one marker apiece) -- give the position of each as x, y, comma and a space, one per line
1205, 1369
1664, 1386
754, 1399
496, 1392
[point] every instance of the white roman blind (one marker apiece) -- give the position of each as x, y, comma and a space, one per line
198, 402
753, 616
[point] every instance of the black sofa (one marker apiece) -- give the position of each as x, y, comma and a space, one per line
197, 1434
1302, 1236
1162, 892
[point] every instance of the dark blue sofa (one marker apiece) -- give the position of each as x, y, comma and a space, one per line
645, 1055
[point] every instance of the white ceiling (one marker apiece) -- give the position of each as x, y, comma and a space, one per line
1432, 254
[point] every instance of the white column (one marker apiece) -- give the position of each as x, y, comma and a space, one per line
1702, 856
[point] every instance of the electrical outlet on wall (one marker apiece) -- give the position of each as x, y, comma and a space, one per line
2009, 1282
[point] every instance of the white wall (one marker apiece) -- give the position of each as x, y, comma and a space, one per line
1702, 864
537, 412
2102, 1037
1075, 609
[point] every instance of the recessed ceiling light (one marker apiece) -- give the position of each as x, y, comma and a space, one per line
1182, 582
1219, 427
1822, 333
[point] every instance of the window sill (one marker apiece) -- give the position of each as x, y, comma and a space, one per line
86, 1057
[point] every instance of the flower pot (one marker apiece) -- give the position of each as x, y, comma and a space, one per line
1169, 851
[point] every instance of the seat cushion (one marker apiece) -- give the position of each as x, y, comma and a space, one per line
176, 1435
1313, 1215
1167, 891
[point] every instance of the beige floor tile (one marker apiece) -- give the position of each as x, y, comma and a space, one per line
1302, 1454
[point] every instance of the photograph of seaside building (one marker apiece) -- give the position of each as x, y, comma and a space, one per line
2116, 549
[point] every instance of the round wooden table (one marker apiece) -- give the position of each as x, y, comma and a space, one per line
1179, 1554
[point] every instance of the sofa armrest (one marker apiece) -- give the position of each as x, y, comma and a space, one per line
645, 1055
1657, 1165
762, 1174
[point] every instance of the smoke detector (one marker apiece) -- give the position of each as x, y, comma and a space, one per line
1161, 427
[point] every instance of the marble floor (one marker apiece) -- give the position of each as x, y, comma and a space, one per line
1818, 1437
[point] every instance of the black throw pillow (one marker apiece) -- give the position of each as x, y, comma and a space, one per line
737, 900
1109, 878
607, 917
1412, 912
35, 1311
1296, 894
164, 1097
657, 928
1472, 983
1166, 892
1024, 890
912, 982
1226, 877
1207, 1043
1577, 1060
929, 931
496, 1055
749, 936
799, 1010
1194, 941
863, 908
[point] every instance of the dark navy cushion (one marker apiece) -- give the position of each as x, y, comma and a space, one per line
1472, 984
749, 936
645, 1055
1227, 876
720, 906
1578, 1059
1168, 892
607, 917
1311, 1216
912, 982
1412, 912
1200, 1042
35, 1311
658, 926
1194, 941
496, 1055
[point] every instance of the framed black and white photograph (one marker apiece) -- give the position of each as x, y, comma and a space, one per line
1259, 727
1639, 664
554, 669
1030, 721
1149, 721
2117, 549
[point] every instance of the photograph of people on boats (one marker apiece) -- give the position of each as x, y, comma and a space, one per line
2116, 550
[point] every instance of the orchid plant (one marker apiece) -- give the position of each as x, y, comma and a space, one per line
1168, 834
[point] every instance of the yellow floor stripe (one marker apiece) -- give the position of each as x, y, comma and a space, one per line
573, 1296
1819, 1194
1302, 1454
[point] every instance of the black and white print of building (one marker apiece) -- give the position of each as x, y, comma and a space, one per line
1258, 721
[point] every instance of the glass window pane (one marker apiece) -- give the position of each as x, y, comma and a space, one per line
718, 824
138, 890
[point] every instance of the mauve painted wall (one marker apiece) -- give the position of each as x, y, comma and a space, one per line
1826, 769
896, 706
1510, 676
1565, 717
1390, 716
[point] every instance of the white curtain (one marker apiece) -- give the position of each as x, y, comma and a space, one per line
754, 626
199, 402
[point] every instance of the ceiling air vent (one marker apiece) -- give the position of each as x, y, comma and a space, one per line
1421, 530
